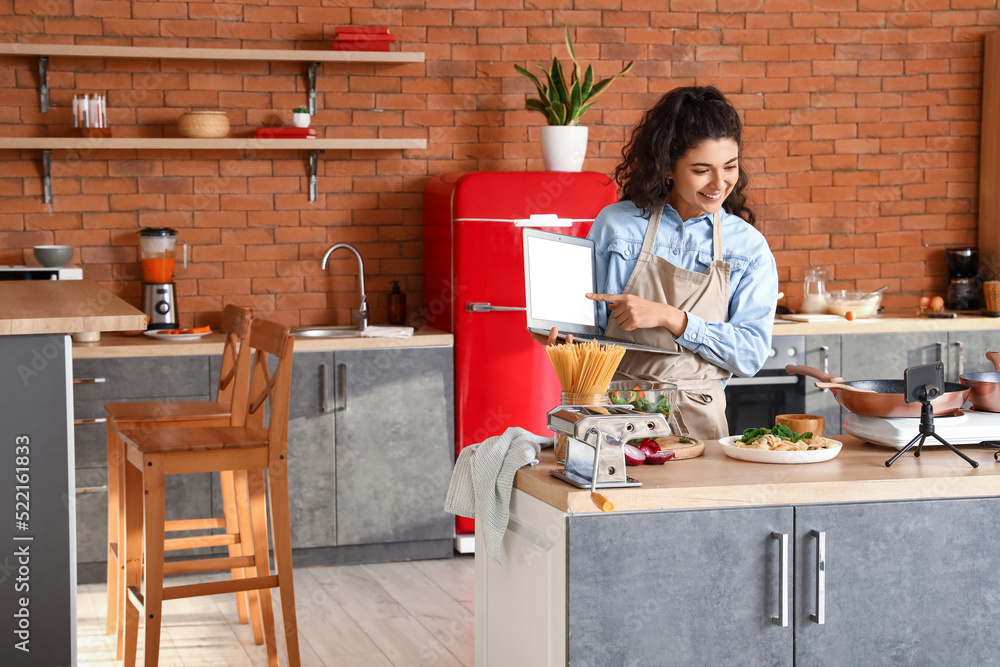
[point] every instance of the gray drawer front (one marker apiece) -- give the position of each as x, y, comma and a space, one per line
140, 378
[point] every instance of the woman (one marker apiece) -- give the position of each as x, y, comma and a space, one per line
679, 261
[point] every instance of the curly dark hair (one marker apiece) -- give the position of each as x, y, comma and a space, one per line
680, 120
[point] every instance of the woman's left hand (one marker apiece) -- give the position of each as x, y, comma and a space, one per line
632, 312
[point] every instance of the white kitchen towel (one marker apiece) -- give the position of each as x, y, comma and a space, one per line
387, 332
483, 478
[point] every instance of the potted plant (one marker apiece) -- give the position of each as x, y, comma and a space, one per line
564, 140
301, 117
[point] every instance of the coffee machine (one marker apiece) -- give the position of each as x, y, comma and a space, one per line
965, 285
157, 254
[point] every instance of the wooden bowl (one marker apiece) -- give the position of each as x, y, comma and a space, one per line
803, 423
203, 124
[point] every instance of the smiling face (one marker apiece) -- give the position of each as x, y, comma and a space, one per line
704, 177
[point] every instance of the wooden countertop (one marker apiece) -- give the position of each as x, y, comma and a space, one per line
886, 322
63, 306
117, 345
857, 474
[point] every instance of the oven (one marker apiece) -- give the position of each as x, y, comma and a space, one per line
756, 401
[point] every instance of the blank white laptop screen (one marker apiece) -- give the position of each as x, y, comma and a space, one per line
561, 273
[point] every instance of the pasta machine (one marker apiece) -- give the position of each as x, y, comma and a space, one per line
595, 435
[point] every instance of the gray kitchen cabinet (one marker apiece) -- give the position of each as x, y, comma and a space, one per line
371, 442
884, 356
906, 583
824, 352
104, 380
903, 583
312, 471
967, 352
395, 435
709, 582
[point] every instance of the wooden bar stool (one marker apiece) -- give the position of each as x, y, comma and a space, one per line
233, 387
257, 455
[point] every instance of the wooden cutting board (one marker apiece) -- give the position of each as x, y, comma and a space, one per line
681, 450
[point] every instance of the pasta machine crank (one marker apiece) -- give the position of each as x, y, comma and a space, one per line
595, 435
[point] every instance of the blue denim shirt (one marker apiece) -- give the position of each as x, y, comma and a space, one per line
740, 345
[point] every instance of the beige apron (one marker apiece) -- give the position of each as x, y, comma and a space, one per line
701, 403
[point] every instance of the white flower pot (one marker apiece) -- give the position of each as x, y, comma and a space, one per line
301, 119
564, 147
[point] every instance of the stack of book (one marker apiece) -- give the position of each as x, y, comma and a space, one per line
362, 38
283, 132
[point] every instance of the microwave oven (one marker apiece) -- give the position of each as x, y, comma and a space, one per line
40, 273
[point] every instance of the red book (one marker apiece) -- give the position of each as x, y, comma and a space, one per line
362, 29
362, 46
284, 133
364, 37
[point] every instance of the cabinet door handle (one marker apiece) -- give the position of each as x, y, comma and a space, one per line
782, 617
961, 360
95, 420
88, 380
91, 489
819, 618
341, 388
824, 355
324, 393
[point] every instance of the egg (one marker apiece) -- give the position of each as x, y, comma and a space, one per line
849, 315
936, 304
925, 302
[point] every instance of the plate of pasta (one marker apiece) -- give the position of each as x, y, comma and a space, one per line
774, 449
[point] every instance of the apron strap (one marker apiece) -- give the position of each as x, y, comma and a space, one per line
717, 237
649, 240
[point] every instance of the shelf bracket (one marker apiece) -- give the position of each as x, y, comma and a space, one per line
43, 82
313, 169
47, 174
312, 88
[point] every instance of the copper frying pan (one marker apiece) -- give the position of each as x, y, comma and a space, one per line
886, 397
985, 387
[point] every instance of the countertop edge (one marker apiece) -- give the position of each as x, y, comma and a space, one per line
117, 345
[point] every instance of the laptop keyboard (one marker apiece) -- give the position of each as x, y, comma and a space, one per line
600, 338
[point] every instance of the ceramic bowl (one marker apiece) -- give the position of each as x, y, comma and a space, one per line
53, 256
814, 424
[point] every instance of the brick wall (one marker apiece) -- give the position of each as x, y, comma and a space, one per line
862, 132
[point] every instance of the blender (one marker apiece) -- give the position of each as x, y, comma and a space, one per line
157, 253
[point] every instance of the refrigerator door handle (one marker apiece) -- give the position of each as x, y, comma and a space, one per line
487, 308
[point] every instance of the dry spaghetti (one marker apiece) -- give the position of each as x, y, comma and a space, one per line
585, 368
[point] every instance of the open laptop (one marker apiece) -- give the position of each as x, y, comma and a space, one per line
558, 271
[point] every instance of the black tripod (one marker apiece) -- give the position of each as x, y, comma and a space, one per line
926, 395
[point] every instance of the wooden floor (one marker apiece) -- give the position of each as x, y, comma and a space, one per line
383, 615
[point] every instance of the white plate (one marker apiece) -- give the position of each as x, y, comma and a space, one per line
769, 456
175, 337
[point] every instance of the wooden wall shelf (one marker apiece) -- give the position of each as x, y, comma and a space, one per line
122, 143
314, 146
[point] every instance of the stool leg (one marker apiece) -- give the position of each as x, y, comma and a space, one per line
232, 527
246, 540
282, 537
131, 555
153, 486
114, 600
261, 557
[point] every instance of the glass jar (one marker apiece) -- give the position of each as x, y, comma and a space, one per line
814, 291
570, 398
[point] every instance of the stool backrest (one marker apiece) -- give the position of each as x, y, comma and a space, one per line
271, 341
234, 376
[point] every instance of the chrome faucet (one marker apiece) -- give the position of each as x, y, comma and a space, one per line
361, 314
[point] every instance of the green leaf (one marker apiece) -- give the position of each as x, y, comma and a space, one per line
588, 82
558, 114
557, 82
534, 104
575, 101
572, 55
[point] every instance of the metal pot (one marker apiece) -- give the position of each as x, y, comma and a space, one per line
885, 398
985, 387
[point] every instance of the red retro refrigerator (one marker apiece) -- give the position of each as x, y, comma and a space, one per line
474, 288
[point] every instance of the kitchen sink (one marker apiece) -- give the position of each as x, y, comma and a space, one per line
343, 331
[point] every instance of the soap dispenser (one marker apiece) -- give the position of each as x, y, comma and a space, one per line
397, 305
